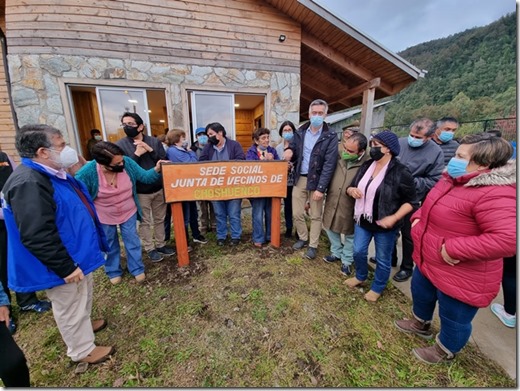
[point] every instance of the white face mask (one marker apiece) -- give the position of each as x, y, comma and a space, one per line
67, 157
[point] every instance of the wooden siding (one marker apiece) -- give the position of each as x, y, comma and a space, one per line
239, 34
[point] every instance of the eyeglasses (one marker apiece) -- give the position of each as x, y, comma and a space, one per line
128, 124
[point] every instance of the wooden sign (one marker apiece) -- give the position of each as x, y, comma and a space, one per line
217, 181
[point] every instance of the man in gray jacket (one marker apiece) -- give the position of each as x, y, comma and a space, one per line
425, 160
445, 129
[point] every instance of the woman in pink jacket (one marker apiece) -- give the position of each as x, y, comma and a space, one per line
465, 227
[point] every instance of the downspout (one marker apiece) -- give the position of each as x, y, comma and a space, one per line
8, 80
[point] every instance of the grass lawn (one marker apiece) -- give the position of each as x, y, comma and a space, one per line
244, 317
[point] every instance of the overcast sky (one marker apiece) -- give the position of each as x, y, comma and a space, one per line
399, 24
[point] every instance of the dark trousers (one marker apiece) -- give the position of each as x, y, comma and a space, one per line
509, 285
168, 223
13, 366
406, 240
190, 212
287, 209
23, 299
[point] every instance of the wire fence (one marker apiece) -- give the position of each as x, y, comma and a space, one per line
507, 126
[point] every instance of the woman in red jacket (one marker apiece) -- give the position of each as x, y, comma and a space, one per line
465, 227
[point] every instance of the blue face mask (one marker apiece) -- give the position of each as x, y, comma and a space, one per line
262, 148
414, 142
203, 140
316, 121
288, 136
446, 136
457, 167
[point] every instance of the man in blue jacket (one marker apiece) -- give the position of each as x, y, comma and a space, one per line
314, 152
55, 240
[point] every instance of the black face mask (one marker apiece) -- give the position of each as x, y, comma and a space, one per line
375, 153
118, 168
213, 140
131, 131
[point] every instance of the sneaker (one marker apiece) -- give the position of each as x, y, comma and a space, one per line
39, 307
300, 244
221, 242
155, 256
331, 259
201, 239
234, 242
165, 250
507, 319
346, 270
311, 253
98, 355
433, 354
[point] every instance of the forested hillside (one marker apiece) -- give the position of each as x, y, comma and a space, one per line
471, 75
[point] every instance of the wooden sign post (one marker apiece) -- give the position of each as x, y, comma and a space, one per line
219, 181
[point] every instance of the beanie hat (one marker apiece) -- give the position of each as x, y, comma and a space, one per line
200, 130
389, 140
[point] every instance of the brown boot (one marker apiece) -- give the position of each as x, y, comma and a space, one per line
98, 355
353, 282
98, 325
414, 326
433, 354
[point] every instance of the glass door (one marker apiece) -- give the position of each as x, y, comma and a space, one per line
113, 102
208, 107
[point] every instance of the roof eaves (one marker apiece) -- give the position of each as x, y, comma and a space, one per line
363, 38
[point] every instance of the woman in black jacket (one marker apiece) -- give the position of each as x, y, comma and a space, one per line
384, 191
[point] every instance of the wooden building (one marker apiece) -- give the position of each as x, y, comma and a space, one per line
79, 65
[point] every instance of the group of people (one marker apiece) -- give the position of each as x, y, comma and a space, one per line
453, 203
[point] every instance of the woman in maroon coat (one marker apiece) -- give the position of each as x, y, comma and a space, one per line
465, 227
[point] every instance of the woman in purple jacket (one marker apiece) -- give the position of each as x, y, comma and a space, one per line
261, 150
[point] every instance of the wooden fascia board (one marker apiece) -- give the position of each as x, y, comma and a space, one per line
342, 61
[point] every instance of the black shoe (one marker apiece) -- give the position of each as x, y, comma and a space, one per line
402, 275
234, 242
221, 242
288, 233
331, 259
372, 260
346, 270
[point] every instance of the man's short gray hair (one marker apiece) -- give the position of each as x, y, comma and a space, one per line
32, 137
424, 123
319, 102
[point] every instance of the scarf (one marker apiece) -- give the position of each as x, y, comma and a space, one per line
364, 206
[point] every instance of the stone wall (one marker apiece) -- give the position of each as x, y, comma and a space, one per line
37, 97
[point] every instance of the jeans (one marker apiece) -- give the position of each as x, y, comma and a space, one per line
384, 242
261, 214
228, 209
190, 214
455, 315
287, 209
343, 251
132, 244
